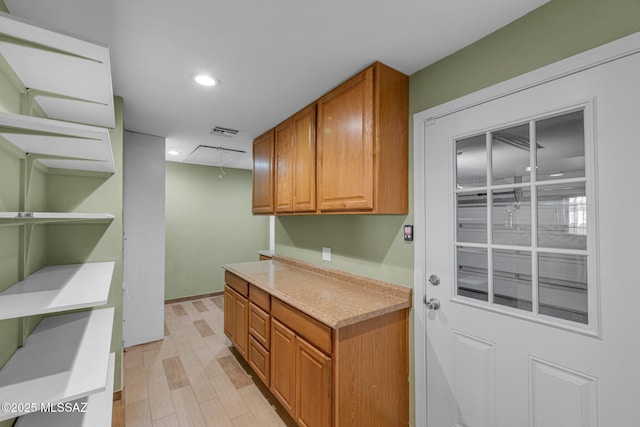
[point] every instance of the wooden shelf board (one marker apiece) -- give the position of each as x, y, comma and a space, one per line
98, 406
58, 288
66, 357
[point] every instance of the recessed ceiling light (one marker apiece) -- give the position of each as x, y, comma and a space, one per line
205, 80
173, 152
556, 174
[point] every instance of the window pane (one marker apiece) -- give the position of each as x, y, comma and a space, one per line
510, 158
561, 147
472, 218
512, 279
562, 216
562, 288
473, 280
471, 162
512, 217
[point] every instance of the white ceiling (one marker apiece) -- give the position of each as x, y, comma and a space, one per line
272, 57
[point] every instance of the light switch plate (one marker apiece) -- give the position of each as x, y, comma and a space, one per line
326, 254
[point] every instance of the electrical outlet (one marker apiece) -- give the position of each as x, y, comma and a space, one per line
326, 254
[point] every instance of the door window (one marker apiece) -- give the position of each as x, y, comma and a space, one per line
522, 205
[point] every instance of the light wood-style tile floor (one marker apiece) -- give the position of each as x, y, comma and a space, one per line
194, 377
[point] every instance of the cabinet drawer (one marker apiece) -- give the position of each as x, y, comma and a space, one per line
312, 330
260, 325
239, 285
260, 360
260, 298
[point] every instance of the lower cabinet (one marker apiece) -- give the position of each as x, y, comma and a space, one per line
313, 385
236, 320
228, 313
300, 377
241, 324
355, 375
283, 359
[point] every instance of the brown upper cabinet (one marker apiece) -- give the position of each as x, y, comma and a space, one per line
345, 154
295, 163
263, 174
363, 144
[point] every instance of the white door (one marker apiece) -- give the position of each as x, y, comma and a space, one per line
531, 216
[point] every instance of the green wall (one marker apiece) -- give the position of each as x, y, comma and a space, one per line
208, 223
369, 245
557, 30
10, 98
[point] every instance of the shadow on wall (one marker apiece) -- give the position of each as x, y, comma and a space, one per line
67, 193
365, 237
75, 243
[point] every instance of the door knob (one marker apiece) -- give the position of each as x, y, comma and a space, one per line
434, 280
432, 304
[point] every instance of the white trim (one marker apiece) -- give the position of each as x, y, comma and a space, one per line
419, 279
606, 53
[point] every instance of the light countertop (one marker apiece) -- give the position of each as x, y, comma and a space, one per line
332, 297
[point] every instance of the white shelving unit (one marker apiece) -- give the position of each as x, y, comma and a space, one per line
72, 146
98, 408
58, 288
69, 78
65, 358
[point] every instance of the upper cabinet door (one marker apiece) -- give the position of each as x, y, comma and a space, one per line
304, 160
263, 173
284, 136
284, 147
346, 146
295, 163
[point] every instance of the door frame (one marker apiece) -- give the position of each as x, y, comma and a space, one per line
600, 55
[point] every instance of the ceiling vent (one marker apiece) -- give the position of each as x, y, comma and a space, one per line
220, 131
